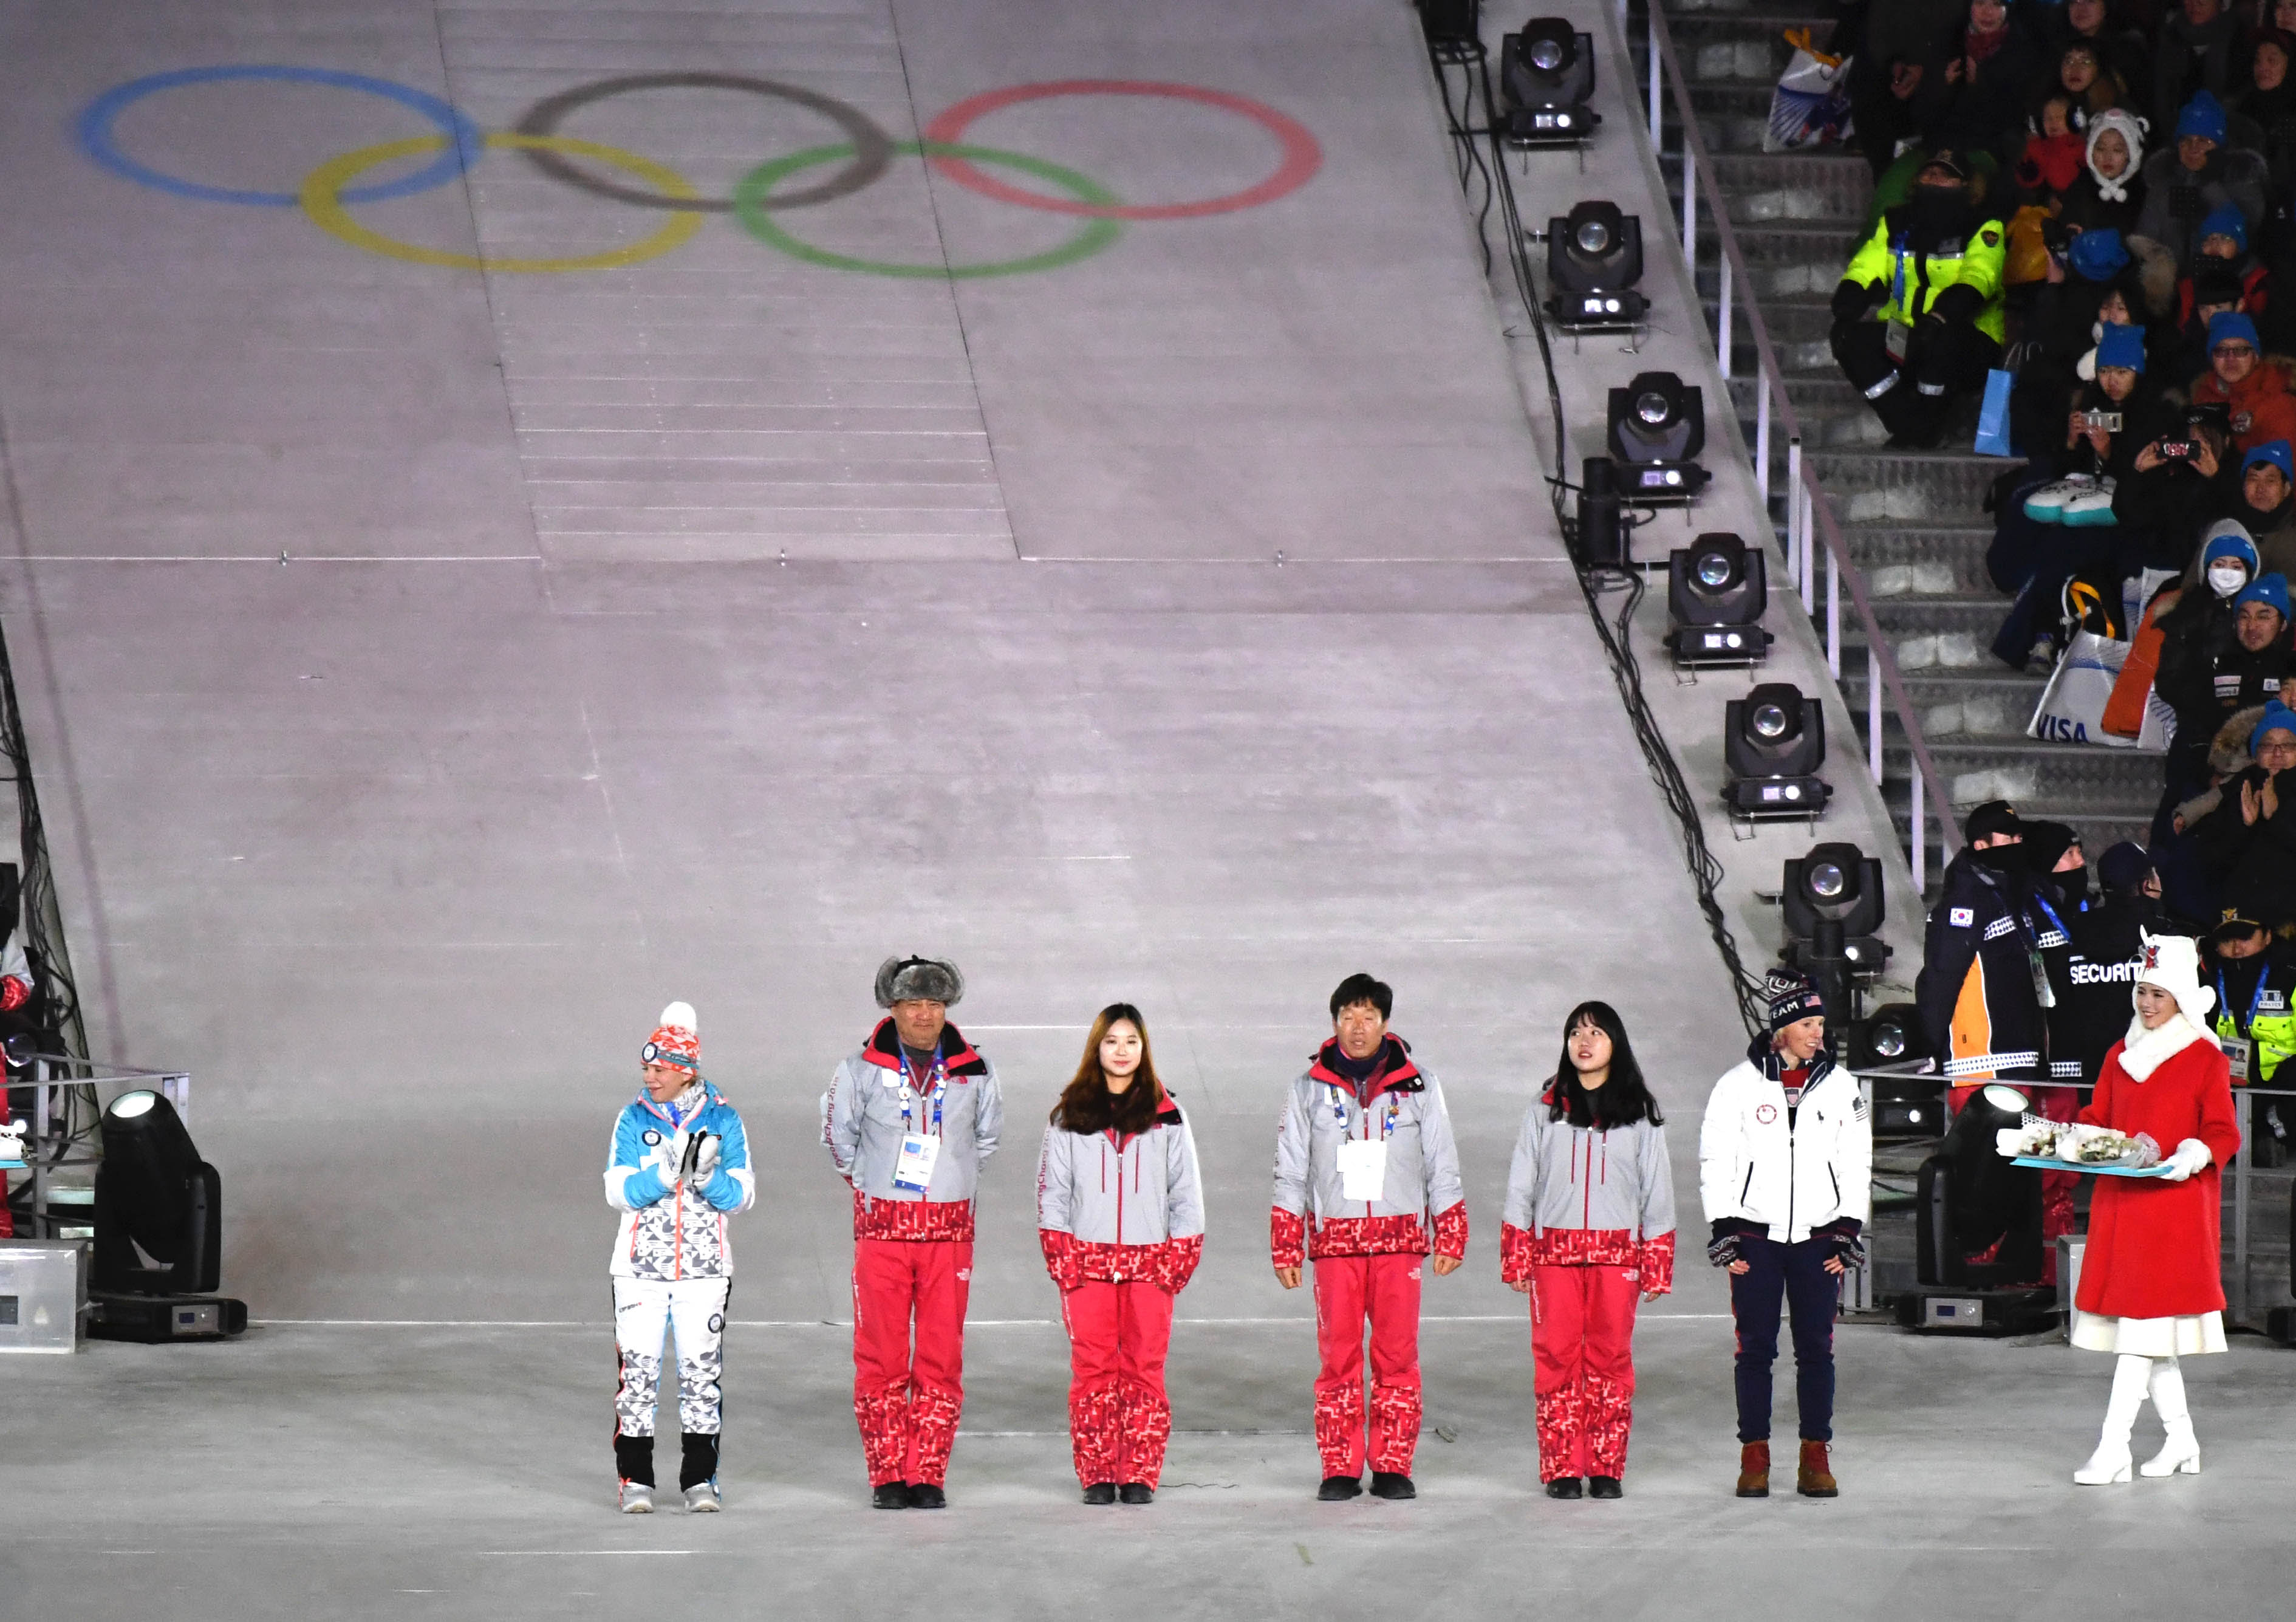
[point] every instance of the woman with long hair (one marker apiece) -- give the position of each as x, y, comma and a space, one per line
1120, 1213
1588, 1226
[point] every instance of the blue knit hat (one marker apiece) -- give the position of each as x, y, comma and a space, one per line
2203, 115
2226, 220
2272, 589
2098, 255
2277, 717
2277, 453
2229, 538
2225, 326
2119, 346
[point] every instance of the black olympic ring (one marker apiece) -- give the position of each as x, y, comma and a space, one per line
873, 148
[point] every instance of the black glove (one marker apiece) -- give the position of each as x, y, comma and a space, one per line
1852, 300
1847, 1235
1728, 1231
1957, 304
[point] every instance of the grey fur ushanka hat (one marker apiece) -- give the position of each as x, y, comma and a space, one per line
930, 980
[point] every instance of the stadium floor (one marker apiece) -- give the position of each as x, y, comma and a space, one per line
433, 670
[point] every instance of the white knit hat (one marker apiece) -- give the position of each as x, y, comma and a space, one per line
2173, 963
2132, 131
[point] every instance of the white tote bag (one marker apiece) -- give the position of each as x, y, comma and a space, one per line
2072, 706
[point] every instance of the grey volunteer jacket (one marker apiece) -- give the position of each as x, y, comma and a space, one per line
861, 1119
1142, 1192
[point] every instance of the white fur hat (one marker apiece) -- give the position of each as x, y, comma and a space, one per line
2132, 131
2173, 963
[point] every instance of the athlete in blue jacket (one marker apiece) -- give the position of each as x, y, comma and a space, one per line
679, 1166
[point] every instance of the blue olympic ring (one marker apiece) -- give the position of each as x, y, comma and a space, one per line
464, 139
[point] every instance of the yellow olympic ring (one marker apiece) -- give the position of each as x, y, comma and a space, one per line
321, 196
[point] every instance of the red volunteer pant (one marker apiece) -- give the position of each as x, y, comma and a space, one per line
905, 1397
1382, 1290
1118, 1420
1582, 1337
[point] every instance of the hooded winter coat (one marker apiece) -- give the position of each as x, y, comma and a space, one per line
1121, 1206
1790, 1171
1420, 1204
871, 1106
2204, 674
678, 1230
2172, 213
2262, 408
1582, 1196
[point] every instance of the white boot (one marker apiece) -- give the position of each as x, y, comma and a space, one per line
2183, 1452
2111, 1459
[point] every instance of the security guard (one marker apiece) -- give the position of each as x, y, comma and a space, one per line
2254, 983
1982, 989
1918, 316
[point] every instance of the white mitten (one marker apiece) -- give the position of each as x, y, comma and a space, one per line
2010, 1140
673, 1154
2192, 1156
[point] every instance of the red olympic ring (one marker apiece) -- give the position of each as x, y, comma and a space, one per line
1302, 157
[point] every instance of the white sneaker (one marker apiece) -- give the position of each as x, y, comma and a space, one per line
2090, 509
2109, 1465
637, 1498
2047, 505
702, 1499
2181, 1455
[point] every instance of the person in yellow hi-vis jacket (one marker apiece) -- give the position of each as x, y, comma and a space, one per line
1917, 318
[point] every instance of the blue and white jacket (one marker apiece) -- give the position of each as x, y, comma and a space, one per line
672, 1229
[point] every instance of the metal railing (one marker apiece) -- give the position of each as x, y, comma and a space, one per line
1808, 512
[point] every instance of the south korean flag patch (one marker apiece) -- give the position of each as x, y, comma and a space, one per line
1960, 917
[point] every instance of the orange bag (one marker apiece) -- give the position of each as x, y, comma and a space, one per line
2027, 258
2124, 711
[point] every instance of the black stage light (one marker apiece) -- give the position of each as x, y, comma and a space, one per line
1546, 76
1451, 22
1593, 259
1602, 538
1906, 1106
154, 1195
1834, 907
1978, 1216
1716, 591
1773, 744
1658, 426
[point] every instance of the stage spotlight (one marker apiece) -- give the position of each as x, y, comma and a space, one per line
1906, 1106
154, 1195
1716, 591
1593, 259
1833, 903
1657, 428
1975, 1202
1546, 76
1773, 744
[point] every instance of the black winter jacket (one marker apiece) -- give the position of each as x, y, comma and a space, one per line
1981, 1008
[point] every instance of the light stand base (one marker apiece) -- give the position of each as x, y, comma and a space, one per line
152, 1319
1957, 1309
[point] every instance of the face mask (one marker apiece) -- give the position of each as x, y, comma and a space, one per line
2001, 858
1936, 208
2225, 579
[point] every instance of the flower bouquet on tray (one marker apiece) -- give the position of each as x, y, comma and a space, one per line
2074, 1146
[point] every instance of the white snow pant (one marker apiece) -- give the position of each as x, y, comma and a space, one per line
696, 1309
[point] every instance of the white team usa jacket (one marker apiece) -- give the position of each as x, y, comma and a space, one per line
1753, 1168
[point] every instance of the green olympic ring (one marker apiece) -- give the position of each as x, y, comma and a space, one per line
757, 185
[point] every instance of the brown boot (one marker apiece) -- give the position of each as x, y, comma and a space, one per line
1754, 1469
1814, 1479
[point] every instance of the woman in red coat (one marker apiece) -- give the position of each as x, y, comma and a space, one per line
2150, 1282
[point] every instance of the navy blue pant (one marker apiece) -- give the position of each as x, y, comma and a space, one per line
1793, 1278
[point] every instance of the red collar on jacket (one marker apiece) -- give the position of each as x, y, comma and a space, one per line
1167, 1114
883, 1049
1393, 1073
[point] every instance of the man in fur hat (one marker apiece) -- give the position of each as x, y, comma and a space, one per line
909, 1120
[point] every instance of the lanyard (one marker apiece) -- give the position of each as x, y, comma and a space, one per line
939, 1087
2224, 999
1386, 1119
1897, 274
2043, 903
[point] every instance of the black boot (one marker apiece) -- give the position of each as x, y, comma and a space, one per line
1566, 1487
701, 1460
1101, 1492
927, 1496
1138, 1492
1336, 1487
633, 1458
1391, 1484
1604, 1487
891, 1496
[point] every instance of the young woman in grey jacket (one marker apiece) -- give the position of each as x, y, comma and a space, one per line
1120, 1213
1588, 1226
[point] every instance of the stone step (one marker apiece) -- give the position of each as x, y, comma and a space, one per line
1923, 560
1973, 706
1785, 260
2120, 785
1786, 188
1943, 487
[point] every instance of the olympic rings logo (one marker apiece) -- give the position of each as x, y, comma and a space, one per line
329, 193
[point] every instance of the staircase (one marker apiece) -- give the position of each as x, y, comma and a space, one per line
1913, 519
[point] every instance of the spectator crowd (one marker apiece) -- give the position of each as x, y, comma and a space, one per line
2097, 198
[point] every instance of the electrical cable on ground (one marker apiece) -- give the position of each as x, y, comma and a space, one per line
1473, 63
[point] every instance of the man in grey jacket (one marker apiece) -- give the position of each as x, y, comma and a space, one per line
1366, 1183
908, 1122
